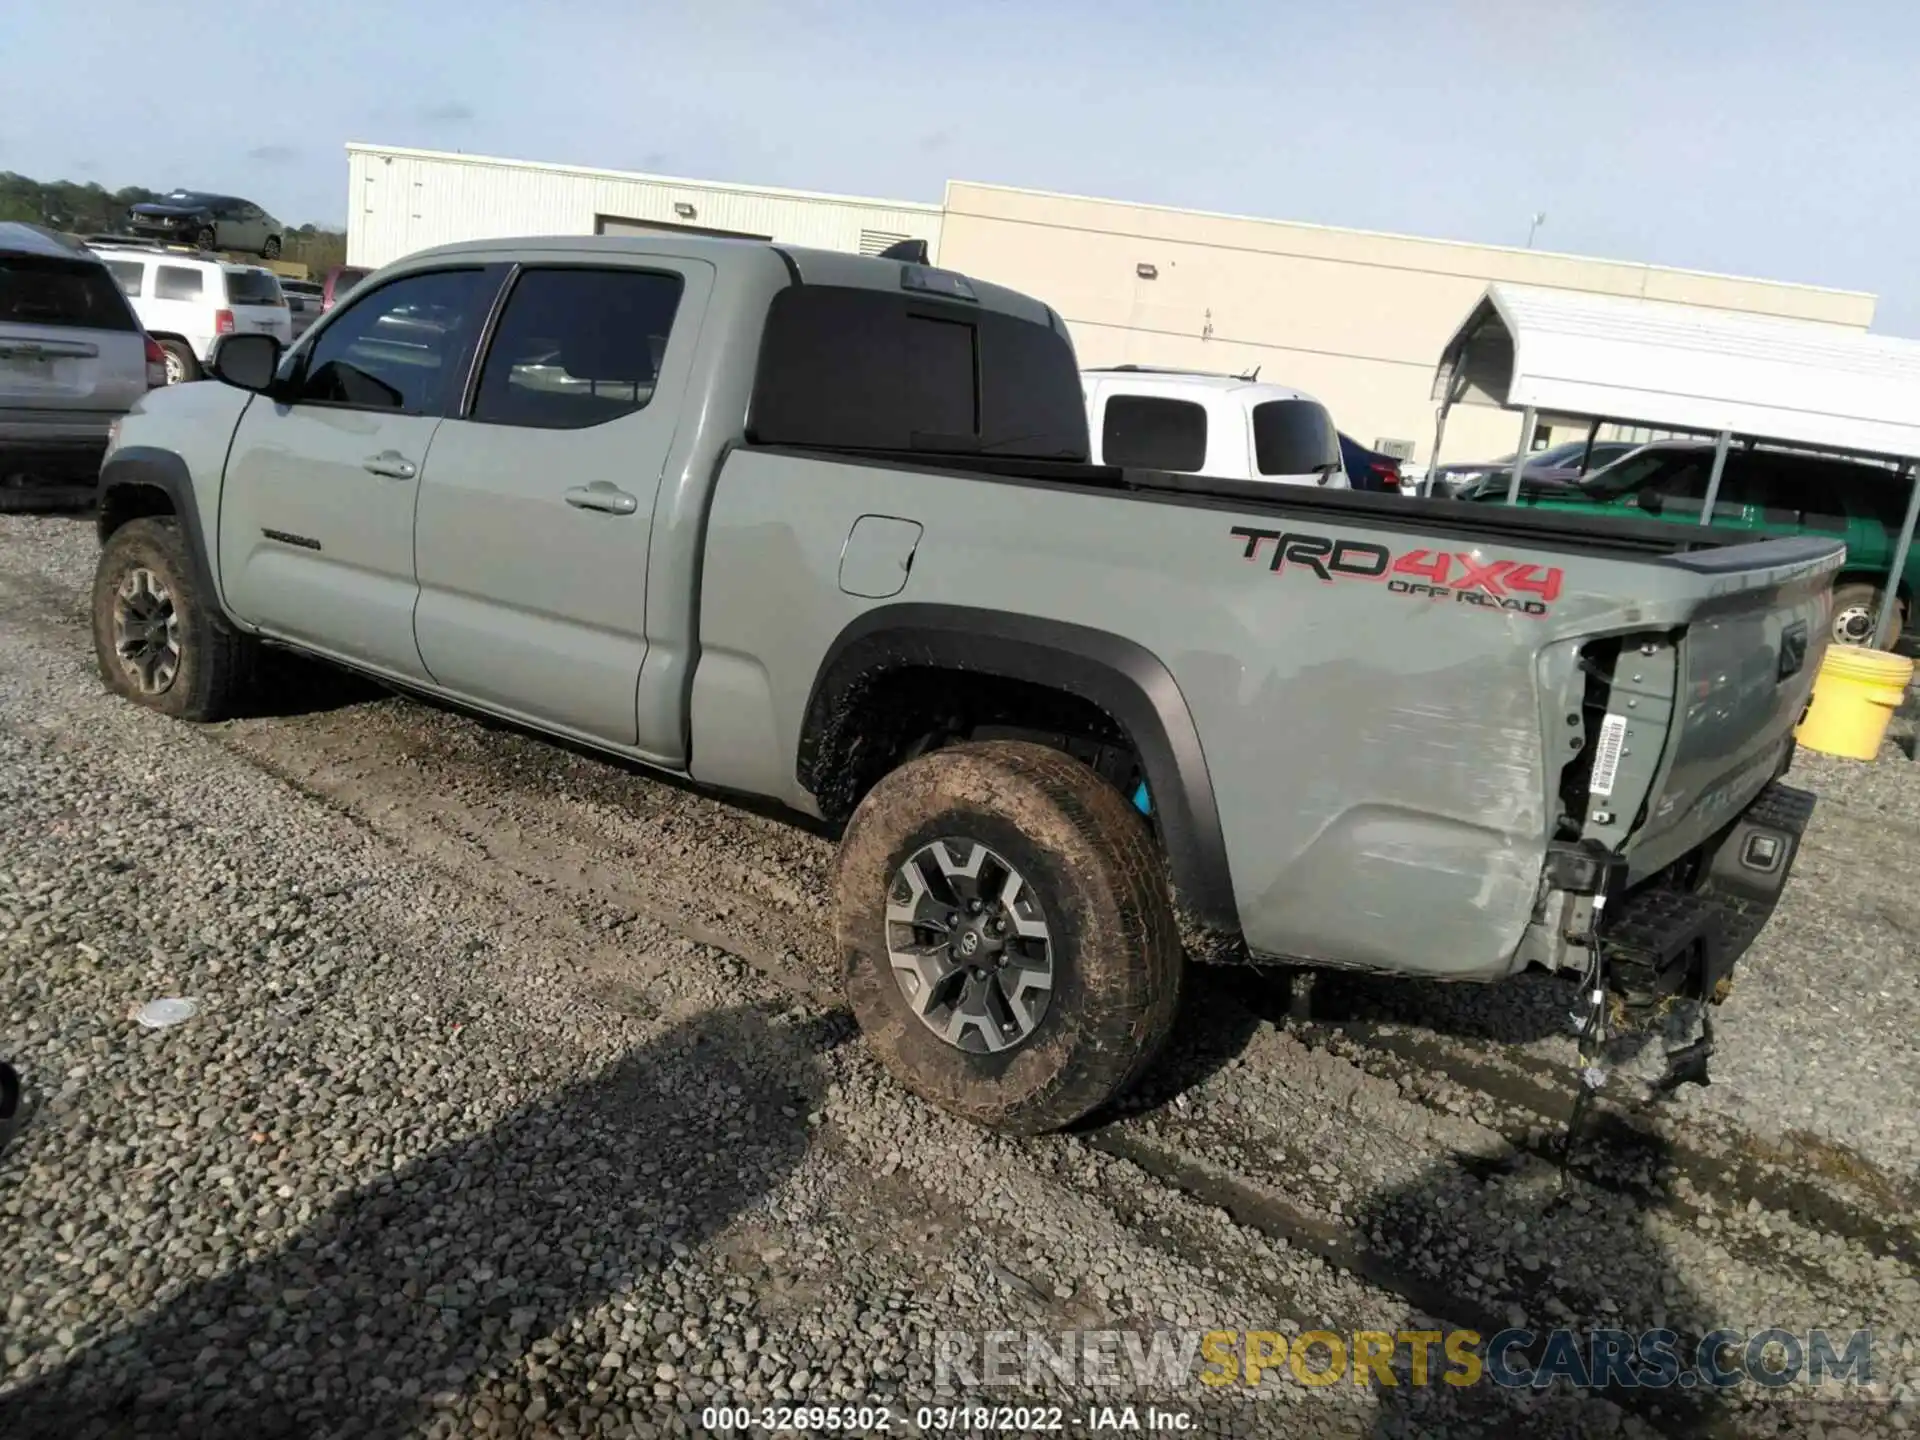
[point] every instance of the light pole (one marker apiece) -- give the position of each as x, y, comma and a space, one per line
1539, 219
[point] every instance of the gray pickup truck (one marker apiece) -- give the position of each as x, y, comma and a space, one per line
821, 528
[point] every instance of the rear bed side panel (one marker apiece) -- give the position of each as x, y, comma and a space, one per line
1376, 749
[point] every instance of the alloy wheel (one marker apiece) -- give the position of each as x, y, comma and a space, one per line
146, 631
970, 945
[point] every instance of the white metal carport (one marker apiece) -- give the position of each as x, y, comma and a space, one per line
1612, 358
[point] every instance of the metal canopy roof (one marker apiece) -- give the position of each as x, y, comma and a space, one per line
1655, 363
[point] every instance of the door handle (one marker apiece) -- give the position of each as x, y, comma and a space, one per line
392, 464
602, 496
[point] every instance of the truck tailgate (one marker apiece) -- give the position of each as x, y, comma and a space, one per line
1738, 679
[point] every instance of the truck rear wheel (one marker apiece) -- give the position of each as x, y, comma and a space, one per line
182, 368
160, 642
1005, 935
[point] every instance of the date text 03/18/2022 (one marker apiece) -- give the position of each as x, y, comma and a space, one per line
942, 1419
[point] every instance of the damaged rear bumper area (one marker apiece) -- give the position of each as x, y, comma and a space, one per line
1682, 932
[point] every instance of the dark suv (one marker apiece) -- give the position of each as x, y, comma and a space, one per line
210, 222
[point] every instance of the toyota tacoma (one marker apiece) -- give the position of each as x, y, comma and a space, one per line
822, 528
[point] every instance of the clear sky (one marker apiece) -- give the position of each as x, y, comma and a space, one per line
1774, 137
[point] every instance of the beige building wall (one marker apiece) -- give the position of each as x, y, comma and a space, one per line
1355, 318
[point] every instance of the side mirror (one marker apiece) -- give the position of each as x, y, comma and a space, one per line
1650, 501
247, 362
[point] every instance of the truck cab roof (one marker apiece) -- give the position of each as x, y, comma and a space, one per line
802, 264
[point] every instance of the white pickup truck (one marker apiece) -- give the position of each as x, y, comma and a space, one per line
1229, 426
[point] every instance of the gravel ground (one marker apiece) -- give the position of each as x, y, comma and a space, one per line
519, 1102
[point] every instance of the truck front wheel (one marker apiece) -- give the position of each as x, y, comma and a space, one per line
1005, 935
159, 640
1856, 613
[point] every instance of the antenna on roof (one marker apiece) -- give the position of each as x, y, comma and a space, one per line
1251, 375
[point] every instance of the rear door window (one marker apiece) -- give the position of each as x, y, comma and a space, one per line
47, 290
129, 275
1294, 437
577, 347
178, 282
1152, 432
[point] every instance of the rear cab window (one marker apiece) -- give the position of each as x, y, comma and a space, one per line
849, 368
1153, 432
1294, 437
72, 294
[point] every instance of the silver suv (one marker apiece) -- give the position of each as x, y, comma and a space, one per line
73, 359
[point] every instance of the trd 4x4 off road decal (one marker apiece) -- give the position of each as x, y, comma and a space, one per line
1516, 587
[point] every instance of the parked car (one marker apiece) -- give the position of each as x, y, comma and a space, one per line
819, 527
1762, 492
304, 302
73, 360
1229, 426
1557, 462
210, 222
187, 301
1368, 469
340, 279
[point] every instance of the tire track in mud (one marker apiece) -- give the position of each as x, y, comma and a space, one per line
538, 816
1834, 1190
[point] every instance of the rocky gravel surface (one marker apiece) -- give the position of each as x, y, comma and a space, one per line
518, 1101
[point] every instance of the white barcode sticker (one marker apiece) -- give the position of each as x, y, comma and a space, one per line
1606, 761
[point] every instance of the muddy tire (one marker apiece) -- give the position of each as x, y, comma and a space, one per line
1856, 611
1070, 982
270, 250
159, 640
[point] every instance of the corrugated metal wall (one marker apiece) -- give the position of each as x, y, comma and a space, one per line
400, 201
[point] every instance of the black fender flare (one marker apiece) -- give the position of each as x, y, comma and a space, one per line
1124, 679
135, 468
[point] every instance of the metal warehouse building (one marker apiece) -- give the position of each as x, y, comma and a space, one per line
400, 201
1356, 318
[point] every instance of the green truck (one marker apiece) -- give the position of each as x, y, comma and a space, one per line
1763, 492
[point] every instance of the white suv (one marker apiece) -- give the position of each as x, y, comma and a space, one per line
187, 299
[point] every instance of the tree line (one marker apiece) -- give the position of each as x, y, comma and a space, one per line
92, 209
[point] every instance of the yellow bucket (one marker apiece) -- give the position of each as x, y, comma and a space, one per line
1854, 697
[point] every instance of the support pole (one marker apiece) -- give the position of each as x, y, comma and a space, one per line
1586, 455
1886, 627
1529, 421
1720, 445
1439, 434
